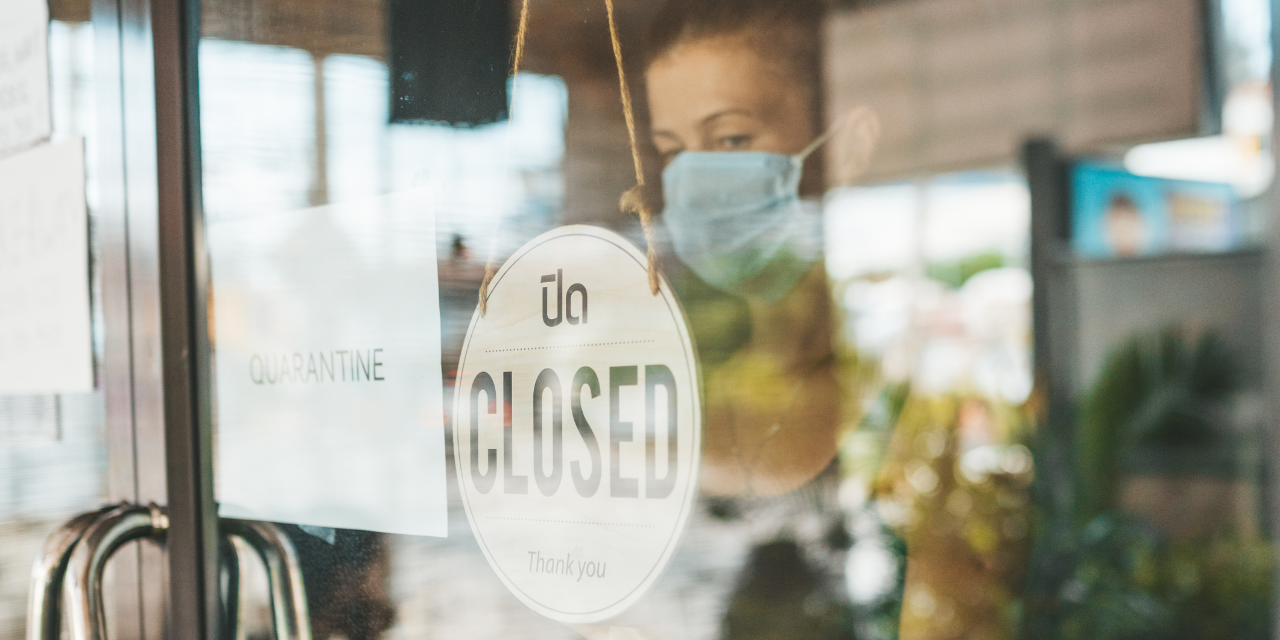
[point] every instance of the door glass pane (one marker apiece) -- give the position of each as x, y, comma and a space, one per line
843, 217
53, 458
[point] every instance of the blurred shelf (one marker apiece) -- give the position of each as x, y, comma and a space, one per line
1067, 258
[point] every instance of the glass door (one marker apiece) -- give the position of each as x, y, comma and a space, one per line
81, 420
700, 318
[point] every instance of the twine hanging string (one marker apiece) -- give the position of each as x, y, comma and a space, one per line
491, 269
633, 199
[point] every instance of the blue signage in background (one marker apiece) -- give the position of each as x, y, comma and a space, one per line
1117, 214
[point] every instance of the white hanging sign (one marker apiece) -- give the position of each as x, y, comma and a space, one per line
577, 425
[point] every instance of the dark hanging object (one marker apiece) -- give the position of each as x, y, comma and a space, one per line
449, 60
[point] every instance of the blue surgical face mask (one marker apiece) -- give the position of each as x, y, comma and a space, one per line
737, 220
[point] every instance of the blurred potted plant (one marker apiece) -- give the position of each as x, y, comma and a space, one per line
1168, 544
1158, 438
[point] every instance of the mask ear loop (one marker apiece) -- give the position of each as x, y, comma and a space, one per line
491, 269
633, 200
823, 139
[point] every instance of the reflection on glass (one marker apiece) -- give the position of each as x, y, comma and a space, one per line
873, 466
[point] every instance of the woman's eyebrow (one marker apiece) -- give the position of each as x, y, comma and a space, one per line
727, 112
661, 133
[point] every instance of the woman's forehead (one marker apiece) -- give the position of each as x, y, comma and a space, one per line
724, 54
703, 80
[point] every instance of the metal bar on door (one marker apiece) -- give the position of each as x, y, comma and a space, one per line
193, 537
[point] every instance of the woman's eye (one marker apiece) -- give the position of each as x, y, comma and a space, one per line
730, 143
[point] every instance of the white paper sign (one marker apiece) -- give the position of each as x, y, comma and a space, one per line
328, 385
577, 425
24, 74
45, 340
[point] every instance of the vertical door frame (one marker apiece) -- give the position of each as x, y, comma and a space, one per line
193, 522
153, 285
1271, 333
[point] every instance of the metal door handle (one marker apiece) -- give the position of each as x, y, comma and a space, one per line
108, 532
76, 555
44, 610
284, 575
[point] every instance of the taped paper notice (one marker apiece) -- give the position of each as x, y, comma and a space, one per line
328, 385
45, 341
25, 118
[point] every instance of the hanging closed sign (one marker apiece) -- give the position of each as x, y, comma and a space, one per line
577, 424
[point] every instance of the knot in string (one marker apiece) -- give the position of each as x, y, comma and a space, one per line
633, 200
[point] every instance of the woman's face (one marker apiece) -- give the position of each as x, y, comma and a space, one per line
719, 95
